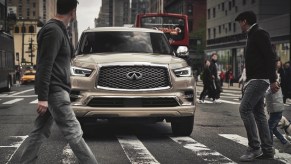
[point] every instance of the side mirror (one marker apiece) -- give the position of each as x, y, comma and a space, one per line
182, 51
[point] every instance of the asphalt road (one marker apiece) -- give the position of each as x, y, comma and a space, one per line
218, 135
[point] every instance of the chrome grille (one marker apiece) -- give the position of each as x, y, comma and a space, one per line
118, 77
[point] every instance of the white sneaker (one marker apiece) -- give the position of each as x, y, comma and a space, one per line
201, 101
216, 101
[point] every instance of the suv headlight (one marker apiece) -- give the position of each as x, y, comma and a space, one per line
77, 71
183, 72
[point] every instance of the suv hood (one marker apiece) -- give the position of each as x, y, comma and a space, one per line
103, 58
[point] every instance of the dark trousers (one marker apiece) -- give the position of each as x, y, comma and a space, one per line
253, 116
273, 123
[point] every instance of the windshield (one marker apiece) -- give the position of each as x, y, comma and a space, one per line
173, 27
124, 41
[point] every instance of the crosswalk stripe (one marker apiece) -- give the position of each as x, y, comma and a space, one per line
16, 144
13, 101
284, 157
210, 156
18, 93
135, 151
68, 155
34, 101
230, 102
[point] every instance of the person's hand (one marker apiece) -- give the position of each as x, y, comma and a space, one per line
42, 107
275, 87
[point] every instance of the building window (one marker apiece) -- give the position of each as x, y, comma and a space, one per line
225, 12
229, 26
222, 6
28, 12
16, 29
244, 2
213, 13
218, 7
253, 1
33, 4
219, 29
234, 27
236, 9
233, 3
208, 11
229, 5
33, 13
209, 35
214, 33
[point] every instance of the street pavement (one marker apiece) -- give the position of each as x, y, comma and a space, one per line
218, 135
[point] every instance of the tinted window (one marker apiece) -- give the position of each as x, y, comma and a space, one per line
98, 42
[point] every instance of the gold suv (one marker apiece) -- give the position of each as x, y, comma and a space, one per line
132, 74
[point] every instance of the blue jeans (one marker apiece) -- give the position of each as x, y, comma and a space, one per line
60, 111
273, 123
253, 116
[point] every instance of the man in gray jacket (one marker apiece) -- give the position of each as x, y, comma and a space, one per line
53, 87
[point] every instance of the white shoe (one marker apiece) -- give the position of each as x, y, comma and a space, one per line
201, 101
216, 101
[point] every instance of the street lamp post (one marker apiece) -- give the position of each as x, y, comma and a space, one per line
22, 52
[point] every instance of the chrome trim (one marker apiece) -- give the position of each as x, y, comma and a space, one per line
134, 64
91, 97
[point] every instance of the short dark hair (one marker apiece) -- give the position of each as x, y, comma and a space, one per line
249, 16
65, 6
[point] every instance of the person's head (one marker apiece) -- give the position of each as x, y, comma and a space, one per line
214, 56
278, 64
246, 19
206, 63
67, 7
287, 65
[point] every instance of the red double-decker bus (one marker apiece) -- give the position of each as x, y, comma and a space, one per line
175, 26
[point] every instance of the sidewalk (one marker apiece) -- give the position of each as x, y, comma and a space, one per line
225, 86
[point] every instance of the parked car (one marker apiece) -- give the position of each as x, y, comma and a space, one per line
132, 74
28, 76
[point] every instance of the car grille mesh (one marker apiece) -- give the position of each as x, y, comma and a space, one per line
133, 102
116, 77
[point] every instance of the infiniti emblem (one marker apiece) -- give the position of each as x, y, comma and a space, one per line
134, 75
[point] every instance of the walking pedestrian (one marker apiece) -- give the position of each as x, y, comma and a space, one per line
215, 93
207, 80
285, 73
260, 62
275, 107
53, 87
222, 77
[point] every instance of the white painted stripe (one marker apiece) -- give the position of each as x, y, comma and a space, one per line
208, 155
13, 101
68, 155
229, 102
135, 151
16, 145
18, 93
283, 157
34, 102
19, 96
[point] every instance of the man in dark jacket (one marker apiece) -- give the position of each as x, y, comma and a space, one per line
215, 93
53, 87
260, 62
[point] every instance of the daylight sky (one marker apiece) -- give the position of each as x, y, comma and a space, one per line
87, 11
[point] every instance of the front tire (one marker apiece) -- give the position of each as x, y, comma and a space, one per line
182, 126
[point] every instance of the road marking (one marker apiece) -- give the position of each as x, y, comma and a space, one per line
283, 157
68, 154
16, 144
18, 93
13, 101
210, 156
229, 102
19, 96
135, 151
34, 102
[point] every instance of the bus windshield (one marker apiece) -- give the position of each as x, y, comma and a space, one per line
173, 27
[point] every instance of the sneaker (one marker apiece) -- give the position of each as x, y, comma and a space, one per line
269, 155
201, 101
216, 101
250, 155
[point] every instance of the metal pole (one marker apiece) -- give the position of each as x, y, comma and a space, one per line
22, 52
31, 51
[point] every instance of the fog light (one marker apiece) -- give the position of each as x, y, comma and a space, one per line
189, 95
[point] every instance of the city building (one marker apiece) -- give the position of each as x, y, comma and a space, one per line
113, 13
3, 11
30, 16
224, 35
